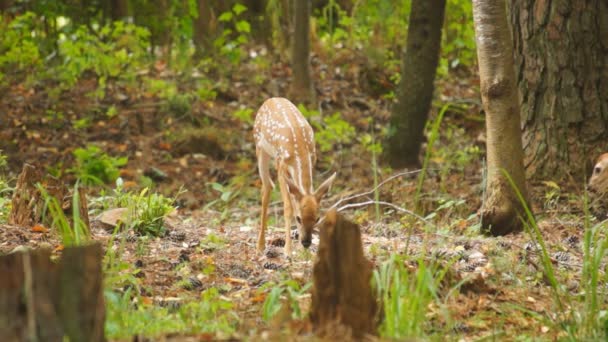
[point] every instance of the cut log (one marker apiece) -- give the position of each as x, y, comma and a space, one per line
45, 301
342, 298
28, 204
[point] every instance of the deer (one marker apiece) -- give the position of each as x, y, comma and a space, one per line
598, 188
283, 134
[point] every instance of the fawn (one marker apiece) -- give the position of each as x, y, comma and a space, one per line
281, 132
598, 182
598, 188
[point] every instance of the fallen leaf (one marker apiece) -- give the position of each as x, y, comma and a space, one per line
259, 298
59, 248
38, 228
235, 280
164, 146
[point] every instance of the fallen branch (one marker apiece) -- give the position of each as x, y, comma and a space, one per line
367, 193
388, 204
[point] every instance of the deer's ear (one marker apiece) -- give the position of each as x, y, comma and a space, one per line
324, 188
293, 188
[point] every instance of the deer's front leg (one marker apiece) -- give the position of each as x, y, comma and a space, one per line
264, 217
287, 211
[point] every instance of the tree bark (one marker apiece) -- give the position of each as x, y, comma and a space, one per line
561, 59
301, 85
502, 211
119, 9
420, 61
41, 300
343, 302
202, 28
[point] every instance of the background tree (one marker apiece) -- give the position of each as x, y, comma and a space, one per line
301, 83
416, 88
501, 211
119, 9
202, 35
561, 59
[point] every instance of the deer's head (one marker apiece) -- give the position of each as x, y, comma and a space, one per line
598, 183
306, 208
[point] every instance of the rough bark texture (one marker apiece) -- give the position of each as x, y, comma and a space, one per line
561, 58
501, 210
301, 85
343, 303
416, 89
44, 301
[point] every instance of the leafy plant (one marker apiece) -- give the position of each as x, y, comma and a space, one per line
289, 291
93, 166
244, 115
117, 50
227, 194
234, 35
330, 130
18, 48
146, 212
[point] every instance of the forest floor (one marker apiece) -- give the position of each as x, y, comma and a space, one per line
495, 287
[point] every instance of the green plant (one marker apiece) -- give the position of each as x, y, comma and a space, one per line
235, 35
244, 115
406, 295
19, 51
212, 242
210, 314
458, 38
433, 136
116, 50
330, 130
93, 166
74, 233
146, 212
370, 144
227, 194
289, 291
5, 191
588, 320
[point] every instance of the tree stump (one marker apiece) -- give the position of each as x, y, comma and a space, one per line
342, 298
28, 204
44, 301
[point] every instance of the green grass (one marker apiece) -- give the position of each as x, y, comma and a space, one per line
73, 232
128, 316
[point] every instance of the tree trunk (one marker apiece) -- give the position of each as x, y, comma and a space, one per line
119, 9
501, 211
416, 89
41, 300
202, 28
343, 303
301, 84
561, 58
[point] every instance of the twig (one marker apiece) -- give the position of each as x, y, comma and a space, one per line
388, 204
375, 188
